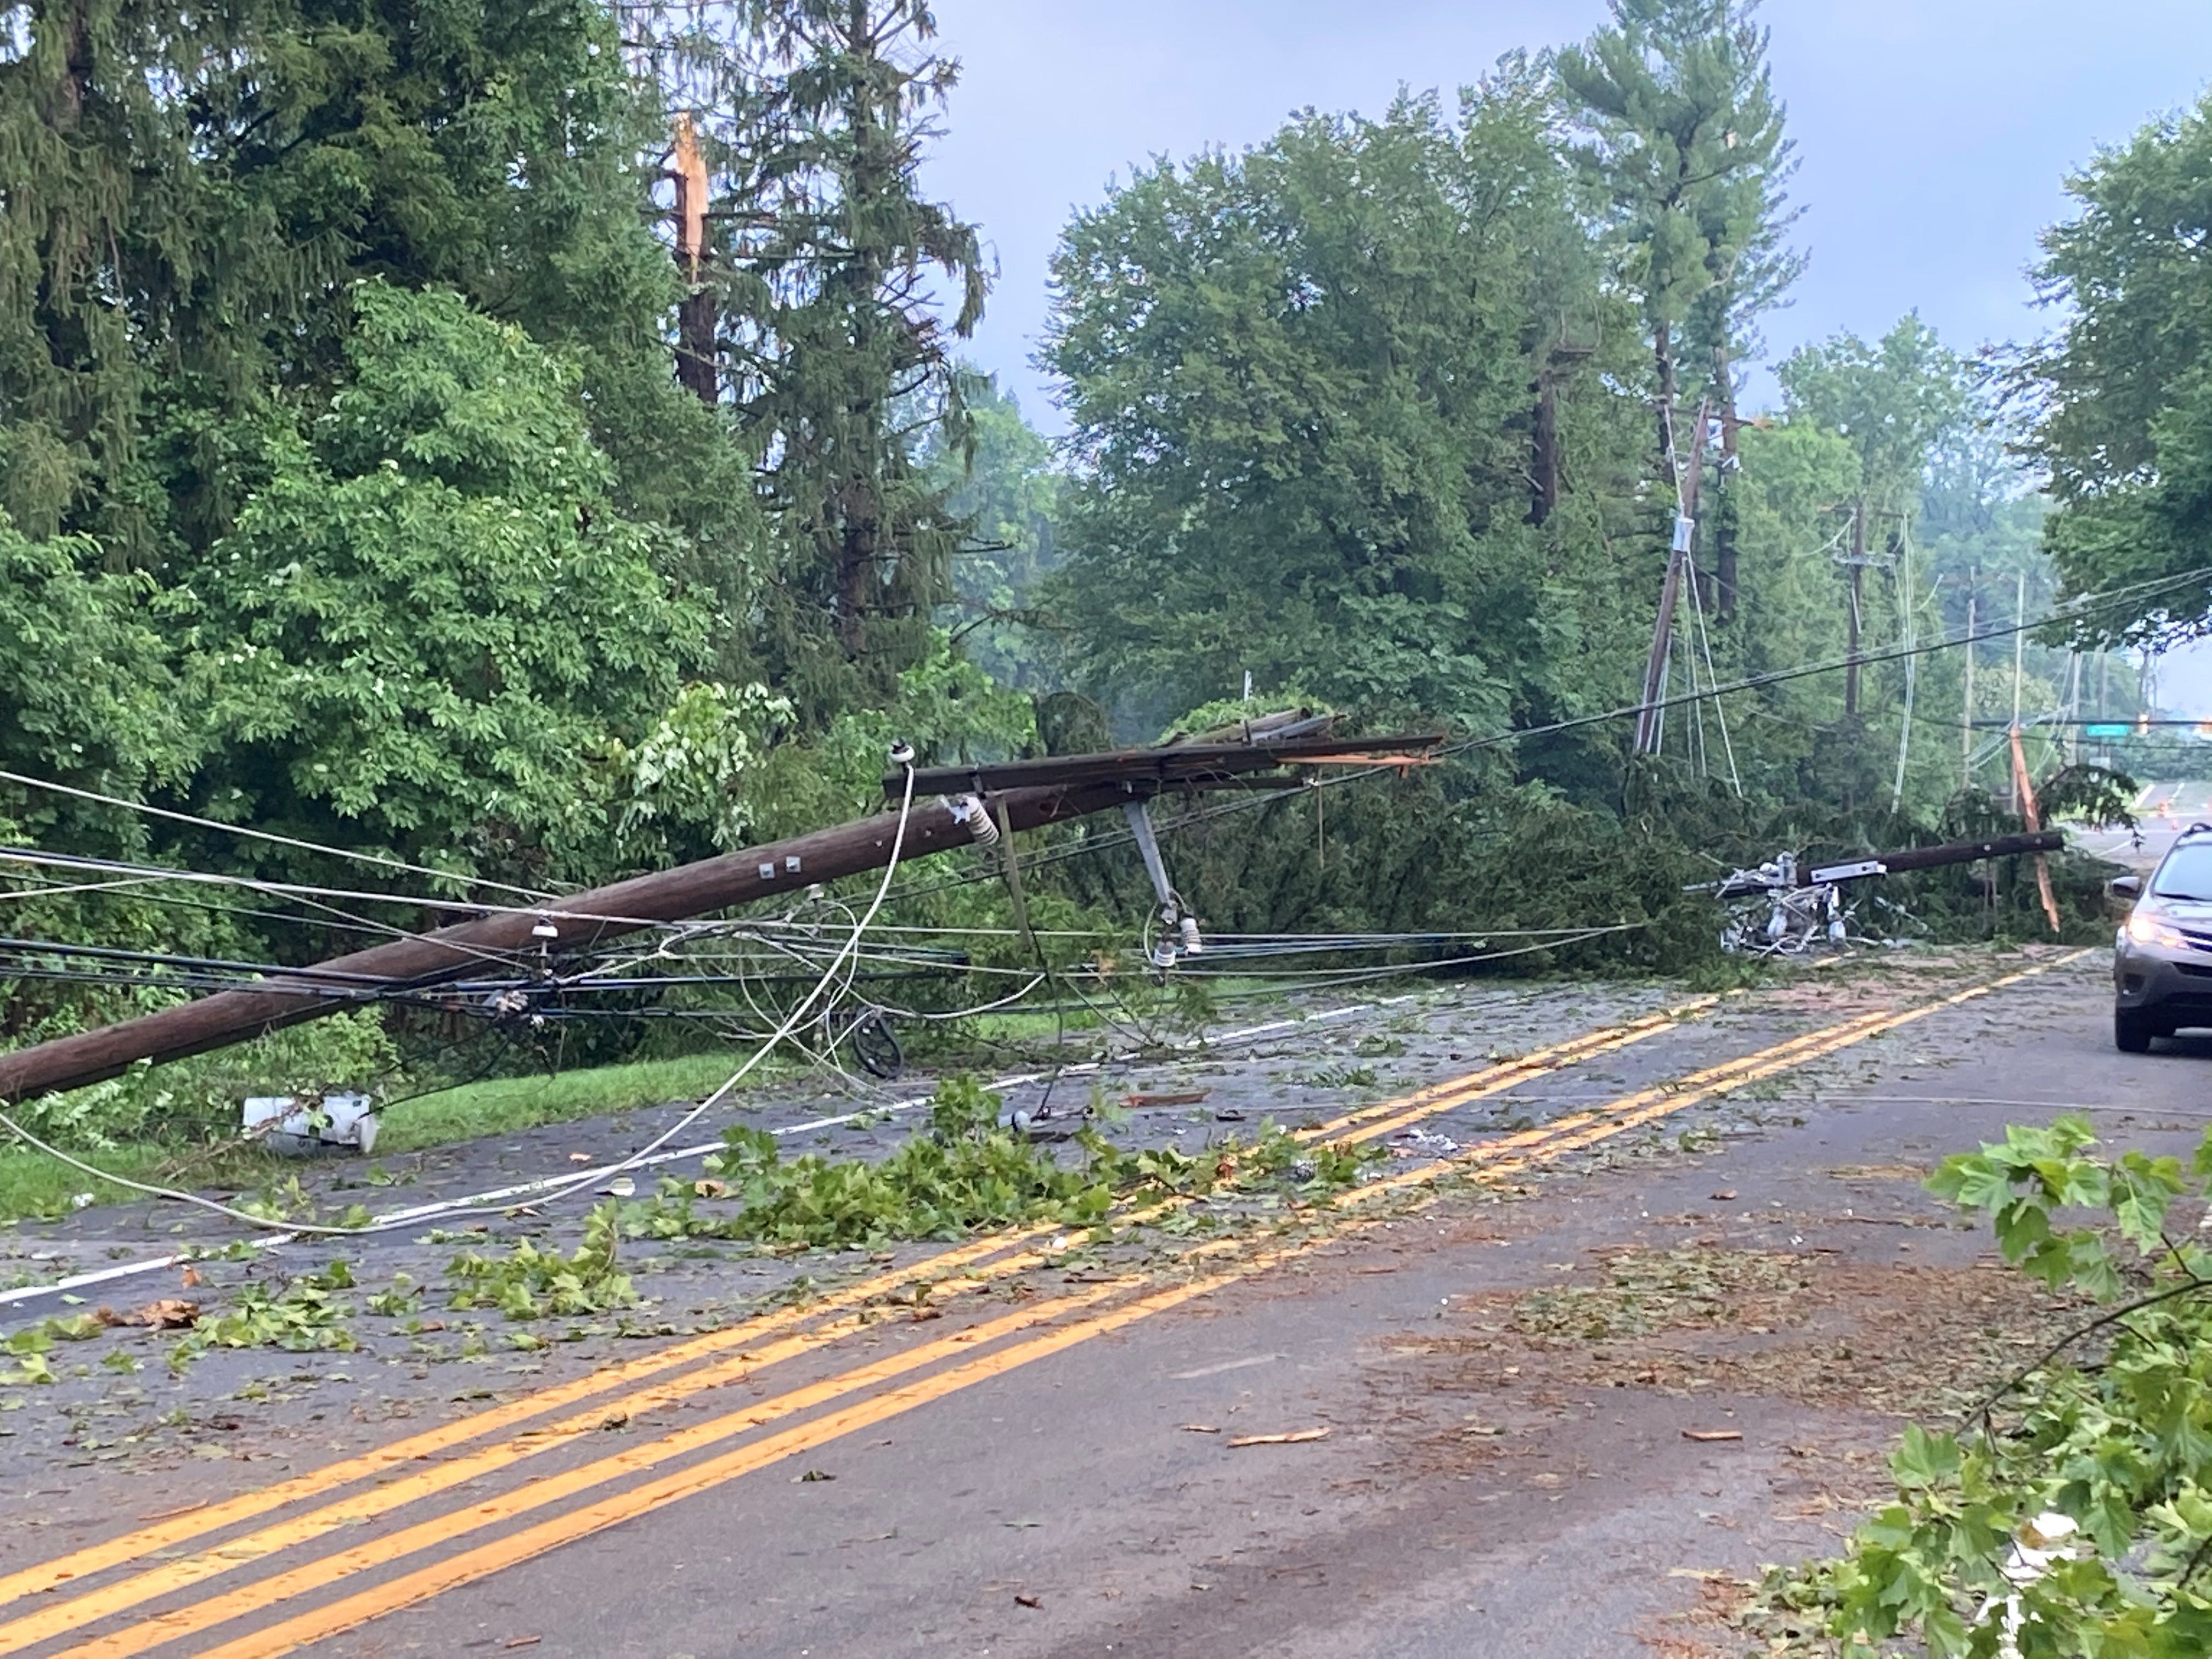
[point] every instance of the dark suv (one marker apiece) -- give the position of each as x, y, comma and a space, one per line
2162, 965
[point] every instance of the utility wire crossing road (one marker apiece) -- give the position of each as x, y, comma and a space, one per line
457, 1503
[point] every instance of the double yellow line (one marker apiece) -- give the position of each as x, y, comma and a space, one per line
1051, 1327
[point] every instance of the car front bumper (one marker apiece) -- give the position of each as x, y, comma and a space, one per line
2174, 987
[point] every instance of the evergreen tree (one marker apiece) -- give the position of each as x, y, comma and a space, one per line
1685, 156
190, 195
843, 341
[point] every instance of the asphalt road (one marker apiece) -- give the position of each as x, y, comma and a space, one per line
1610, 1221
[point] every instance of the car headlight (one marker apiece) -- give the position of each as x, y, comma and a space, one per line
2148, 929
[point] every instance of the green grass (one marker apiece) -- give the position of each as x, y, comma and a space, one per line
32, 1184
504, 1105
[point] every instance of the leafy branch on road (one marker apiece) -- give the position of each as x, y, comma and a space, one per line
2110, 1428
967, 1171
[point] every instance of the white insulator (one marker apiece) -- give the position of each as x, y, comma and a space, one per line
1192, 944
976, 818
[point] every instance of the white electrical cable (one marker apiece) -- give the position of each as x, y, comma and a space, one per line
506, 1197
386, 1224
1712, 678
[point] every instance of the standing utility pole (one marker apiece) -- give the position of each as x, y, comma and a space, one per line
2019, 651
1858, 563
1649, 722
1966, 714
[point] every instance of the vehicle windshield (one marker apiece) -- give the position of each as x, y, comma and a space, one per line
2186, 874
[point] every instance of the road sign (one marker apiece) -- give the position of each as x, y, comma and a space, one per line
2106, 732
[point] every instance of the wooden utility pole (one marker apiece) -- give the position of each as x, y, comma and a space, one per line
560, 926
2019, 651
1851, 624
579, 921
1724, 526
1679, 544
1966, 714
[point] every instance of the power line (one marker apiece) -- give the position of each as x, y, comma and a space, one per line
28, 781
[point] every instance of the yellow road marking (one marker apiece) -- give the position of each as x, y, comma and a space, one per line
486, 1559
1616, 1118
200, 1523
129, 1546
1499, 1080
442, 1529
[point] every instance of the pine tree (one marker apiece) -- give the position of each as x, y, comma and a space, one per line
848, 363
190, 195
1684, 153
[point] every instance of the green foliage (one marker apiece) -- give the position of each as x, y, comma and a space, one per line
29, 1347
190, 190
200, 1098
527, 1282
840, 342
1004, 483
689, 770
1893, 402
2112, 1431
1296, 377
431, 612
1685, 149
304, 1316
2125, 387
968, 1172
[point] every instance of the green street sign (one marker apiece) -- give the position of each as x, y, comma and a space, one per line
2104, 732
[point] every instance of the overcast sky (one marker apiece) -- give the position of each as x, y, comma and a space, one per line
1933, 135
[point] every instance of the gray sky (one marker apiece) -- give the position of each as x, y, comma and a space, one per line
1933, 136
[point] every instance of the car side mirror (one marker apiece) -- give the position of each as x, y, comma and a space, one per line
2127, 887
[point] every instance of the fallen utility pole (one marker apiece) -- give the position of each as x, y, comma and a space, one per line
1091, 783
1804, 905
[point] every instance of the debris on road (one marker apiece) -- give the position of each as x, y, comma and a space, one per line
169, 1314
1296, 1438
1708, 1435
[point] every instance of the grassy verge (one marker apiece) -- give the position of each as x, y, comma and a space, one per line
504, 1105
32, 1184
